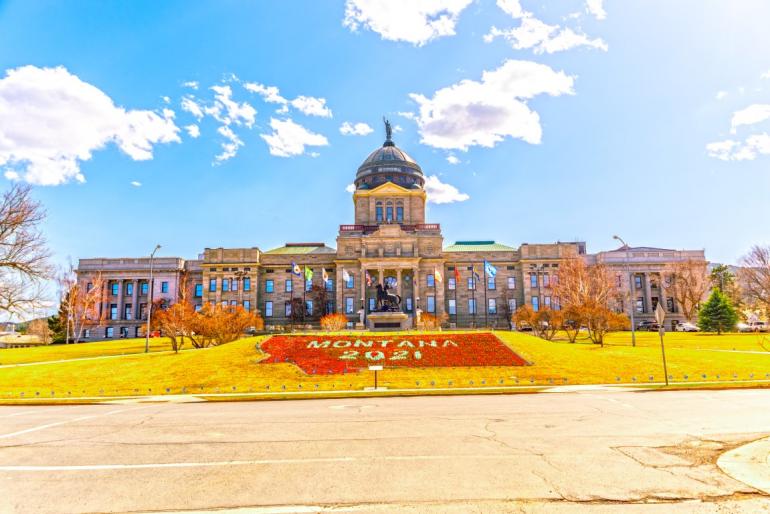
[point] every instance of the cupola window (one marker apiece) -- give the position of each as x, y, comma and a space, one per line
379, 212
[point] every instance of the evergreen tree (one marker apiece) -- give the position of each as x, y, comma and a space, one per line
57, 328
717, 314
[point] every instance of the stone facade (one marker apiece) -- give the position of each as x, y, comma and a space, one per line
389, 242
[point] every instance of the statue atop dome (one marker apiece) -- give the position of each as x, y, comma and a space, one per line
388, 130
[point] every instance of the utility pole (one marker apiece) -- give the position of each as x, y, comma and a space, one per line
631, 306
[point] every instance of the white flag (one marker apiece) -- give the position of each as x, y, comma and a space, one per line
345, 275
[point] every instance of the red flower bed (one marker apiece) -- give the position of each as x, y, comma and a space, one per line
337, 354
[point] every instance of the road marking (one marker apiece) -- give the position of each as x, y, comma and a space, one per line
32, 411
57, 423
320, 460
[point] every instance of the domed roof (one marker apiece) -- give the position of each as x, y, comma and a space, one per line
389, 164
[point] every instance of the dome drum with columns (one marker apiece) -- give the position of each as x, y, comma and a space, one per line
389, 164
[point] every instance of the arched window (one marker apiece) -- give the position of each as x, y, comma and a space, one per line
389, 212
379, 212
399, 211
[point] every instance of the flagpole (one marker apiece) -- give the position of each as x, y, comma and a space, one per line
291, 302
473, 292
486, 307
304, 292
457, 321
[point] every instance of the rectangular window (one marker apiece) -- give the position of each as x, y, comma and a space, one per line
533, 280
109, 332
129, 289
329, 307
127, 311
268, 286
638, 281
492, 307
247, 305
86, 333
287, 309
351, 282
431, 304
619, 281
142, 311
512, 305
268, 309
234, 286
372, 304
546, 280
348, 305
309, 307
452, 307
288, 286
123, 331
198, 290
164, 287
654, 303
198, 307
389, 212
408, 304
212, 285
535, 303
379, 213
471, 283
640, 304
308, 285
511, 282
430, 280
143, 288
670, 304
330, 285
246, 284
113, 311
399, 214
490, 283
547, 302
225, 285
471, 306
89, 286
114, 289
451, 283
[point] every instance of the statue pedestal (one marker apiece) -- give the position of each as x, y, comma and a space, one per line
384, 321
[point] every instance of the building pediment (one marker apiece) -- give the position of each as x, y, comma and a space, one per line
389, 188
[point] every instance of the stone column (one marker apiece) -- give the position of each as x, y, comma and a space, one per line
416, 287
339, 291
363, 289
648, 293
398, 282
135, 300
121, 285
380, 275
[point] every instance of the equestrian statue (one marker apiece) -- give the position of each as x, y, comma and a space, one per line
387, 302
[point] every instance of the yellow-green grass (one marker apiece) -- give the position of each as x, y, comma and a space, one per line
57, 352
235, 367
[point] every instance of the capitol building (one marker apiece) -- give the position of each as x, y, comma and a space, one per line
388, 241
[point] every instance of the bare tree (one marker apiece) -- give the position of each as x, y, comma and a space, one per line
754, 276
578, 284
80, 303
23, 253
688, 283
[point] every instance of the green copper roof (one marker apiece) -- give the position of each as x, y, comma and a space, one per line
300, 249
478, 246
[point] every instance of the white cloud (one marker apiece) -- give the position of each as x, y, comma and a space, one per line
595, 8
227, 111
289, 138
751, 115
308, 105
398, 128
193, 131
513, 8
484, 113
721, 95
192, 84
350, 188
748, 150
230, 146
136, 183
452, 159
765, 75
269, 94
416, 22
357, 129
439, 192
543, 38
52, 121
166, 99
190, 105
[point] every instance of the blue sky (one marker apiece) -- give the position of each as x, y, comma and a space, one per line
644, 118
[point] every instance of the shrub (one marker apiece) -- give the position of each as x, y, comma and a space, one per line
334, 322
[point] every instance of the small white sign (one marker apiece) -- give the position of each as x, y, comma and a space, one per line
660, 314
375, 368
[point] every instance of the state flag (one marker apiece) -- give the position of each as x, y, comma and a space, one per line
489, 269
368, 280
437, 275
324, 275
296, 269
345, 275
308, 274
457, 273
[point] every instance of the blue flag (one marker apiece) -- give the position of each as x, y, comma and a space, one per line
489, 269
296, 269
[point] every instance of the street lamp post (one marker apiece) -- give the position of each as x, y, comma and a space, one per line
149, 303
631, 307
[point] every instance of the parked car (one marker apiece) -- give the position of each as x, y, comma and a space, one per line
743, 327
752, 326
687, 327
649, 326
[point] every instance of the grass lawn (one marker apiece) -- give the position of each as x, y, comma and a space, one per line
56, 352
234, 367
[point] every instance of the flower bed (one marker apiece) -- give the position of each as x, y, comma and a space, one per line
329, 355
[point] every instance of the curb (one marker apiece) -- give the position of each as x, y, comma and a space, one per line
749, 464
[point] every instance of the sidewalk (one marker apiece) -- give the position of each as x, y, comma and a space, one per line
750, 464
